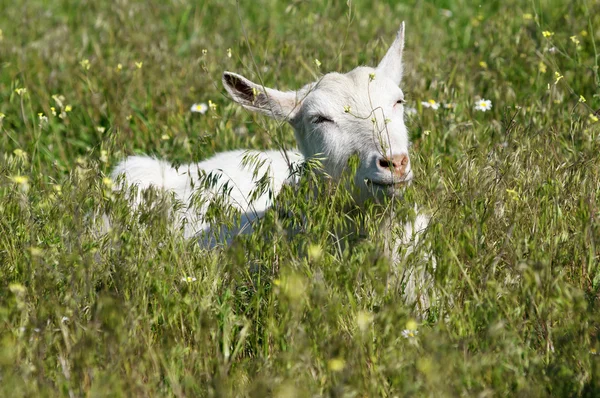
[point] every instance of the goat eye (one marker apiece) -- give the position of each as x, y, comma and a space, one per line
321, 119
400, 101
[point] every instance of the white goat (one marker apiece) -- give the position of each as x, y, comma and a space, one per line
340, 115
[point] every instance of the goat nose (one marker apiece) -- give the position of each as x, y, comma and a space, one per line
396, 163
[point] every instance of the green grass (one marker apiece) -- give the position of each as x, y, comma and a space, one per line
513, 194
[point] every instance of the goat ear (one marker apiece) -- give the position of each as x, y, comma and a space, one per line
277, 104
391, 65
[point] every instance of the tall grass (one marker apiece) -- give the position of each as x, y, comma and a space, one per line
513, 193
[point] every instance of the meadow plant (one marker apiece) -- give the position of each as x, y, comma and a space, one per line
140, 310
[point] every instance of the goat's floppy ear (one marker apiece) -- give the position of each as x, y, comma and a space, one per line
277, 104
391, 64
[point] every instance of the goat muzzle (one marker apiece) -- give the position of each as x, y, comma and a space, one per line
397, 164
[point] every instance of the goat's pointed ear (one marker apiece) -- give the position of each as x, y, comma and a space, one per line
391, 65
277, 104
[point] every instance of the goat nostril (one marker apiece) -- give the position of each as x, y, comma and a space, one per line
384, 163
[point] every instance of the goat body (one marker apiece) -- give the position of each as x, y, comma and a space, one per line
226, 171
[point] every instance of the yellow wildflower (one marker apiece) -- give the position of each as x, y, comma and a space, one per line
104, 156
593, 118
85, 64
558, 77
315, 252
20, 180
547, 33
514, 194
364, 319
17, 289
294, 287
336, 364
412, 325
19, 153
36, 251
139, 64
527, 16
542, 67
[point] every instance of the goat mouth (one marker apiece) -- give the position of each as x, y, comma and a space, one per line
388, 184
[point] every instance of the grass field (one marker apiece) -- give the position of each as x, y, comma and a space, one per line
513, 193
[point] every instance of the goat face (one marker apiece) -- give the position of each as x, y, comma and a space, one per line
358, 113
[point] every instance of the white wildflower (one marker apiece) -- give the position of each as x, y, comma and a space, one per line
199, 108
431, 104
483, 105
410, 333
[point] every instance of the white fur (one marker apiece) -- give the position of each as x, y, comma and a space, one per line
145, 172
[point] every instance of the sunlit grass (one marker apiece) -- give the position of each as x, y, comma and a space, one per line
512, 186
